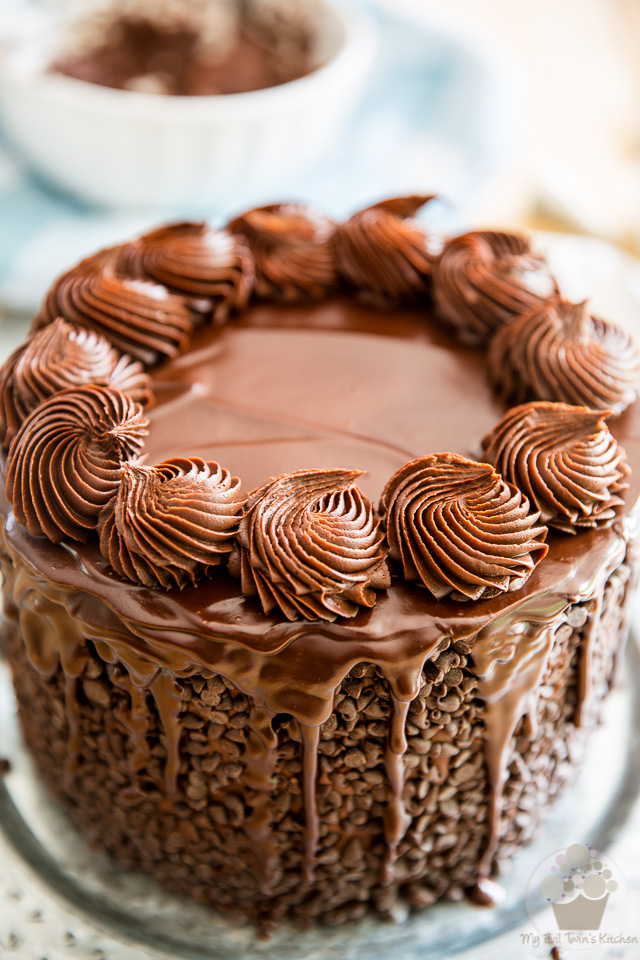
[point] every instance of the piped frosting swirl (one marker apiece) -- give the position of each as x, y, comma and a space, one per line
483, 279
310, 545
292, 248
559, 351
64, 463
192, 259
383, 253
59, 356
171, 523
139, 317
455, 526
564, 459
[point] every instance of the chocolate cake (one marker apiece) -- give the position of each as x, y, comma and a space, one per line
303, 619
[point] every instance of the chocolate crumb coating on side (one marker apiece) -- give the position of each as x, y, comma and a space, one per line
188, 779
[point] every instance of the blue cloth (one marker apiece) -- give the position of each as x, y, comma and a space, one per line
434, 119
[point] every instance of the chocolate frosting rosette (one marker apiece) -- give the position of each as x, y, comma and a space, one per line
457, 528
139, 317
64, 463
59, 356
310, 545
194, 260
484, 279
292, 248
171, 523
383, 252
559, 351
564, 459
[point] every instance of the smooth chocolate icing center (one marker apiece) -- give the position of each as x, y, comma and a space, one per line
325, 385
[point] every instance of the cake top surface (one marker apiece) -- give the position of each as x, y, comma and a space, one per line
333, 383
313, 461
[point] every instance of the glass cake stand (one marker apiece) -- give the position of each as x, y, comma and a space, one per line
60, 900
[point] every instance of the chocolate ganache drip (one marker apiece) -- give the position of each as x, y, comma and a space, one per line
559, 351
139, 317
62, 355
64, 463
483, 279
192, 259
382, 252
292, 248
564, 459
458, 528
169, 524
310, 544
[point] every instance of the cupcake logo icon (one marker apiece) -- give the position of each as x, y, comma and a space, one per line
578, 897
578, 886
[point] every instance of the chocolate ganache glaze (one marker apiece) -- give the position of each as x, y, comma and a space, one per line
302, 389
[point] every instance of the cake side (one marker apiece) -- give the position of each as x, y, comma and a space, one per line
182, 770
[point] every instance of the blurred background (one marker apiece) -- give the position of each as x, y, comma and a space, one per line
516, 114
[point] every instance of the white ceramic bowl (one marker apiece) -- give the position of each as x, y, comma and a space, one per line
119, 148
